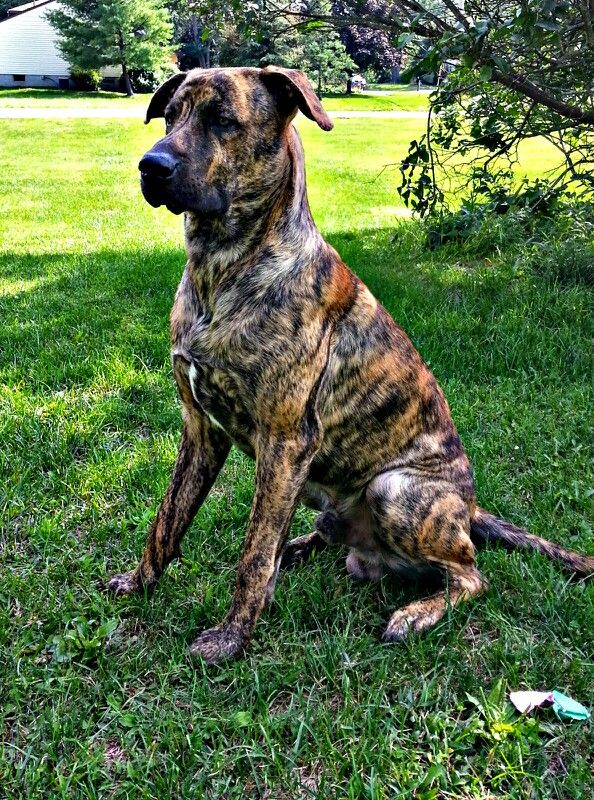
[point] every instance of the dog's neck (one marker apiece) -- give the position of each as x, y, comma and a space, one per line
267, 235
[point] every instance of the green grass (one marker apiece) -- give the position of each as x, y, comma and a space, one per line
393, 87
400, 101
55, 98
99, 698
49, 98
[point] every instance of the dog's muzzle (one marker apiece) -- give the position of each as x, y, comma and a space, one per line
157, 170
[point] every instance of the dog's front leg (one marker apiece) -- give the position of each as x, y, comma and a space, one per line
202, 452
282, 465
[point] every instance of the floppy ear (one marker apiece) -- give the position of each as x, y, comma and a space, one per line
293, 91
163, 95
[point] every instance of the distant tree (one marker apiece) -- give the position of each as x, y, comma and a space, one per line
135, 34
6, 5
506, 72
315, 49
197, 30
325, 57
370, 49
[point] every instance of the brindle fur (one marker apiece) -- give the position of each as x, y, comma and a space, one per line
278, 348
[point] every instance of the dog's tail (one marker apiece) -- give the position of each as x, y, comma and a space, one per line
486, 527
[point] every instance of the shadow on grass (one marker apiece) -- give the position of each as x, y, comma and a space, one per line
73, 310
90, 446
64, 314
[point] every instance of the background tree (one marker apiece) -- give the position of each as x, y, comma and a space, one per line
134, 34
372, 50
514, 71
276, 39
6, 5
325, 56
198, 28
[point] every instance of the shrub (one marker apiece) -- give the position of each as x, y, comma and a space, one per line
86, 80
144, 81
558, 247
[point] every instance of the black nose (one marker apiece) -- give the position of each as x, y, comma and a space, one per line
157, 165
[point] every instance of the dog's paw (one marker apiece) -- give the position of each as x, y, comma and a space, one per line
217, 644
414, 617
398, 628
124, 585
298, 550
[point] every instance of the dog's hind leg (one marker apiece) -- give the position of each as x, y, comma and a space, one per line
301, 548
426, 613
202, 452
427, 524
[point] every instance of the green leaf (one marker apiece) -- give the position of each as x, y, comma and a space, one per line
107, 628
404, 39
242, 719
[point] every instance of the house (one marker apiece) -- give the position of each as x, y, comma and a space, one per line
29, 52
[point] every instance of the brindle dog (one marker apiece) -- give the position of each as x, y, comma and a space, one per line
279, 349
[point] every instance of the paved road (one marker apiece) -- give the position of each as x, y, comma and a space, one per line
138, 113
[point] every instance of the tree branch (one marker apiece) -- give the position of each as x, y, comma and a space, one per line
520, 83
457, 13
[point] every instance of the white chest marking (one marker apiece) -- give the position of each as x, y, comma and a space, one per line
193, 378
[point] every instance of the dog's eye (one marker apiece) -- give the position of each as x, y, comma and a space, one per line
168, 120
222, 121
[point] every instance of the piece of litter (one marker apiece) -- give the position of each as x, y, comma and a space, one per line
346, 659
527, 701
563, 706
567, 708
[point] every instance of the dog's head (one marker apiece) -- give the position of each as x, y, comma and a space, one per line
225, 132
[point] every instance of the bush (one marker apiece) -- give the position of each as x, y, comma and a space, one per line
494, 216
144, 82
86, 80
554, 242
565, 262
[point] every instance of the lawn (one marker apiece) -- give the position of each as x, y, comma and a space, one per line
362, 101
49, 98
55, 98
99, 698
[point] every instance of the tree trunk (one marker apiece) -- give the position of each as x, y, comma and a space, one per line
204, 55
125, 75
194, 29
349, 85
126, 80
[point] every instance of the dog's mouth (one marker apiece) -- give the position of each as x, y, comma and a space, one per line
212, 203
156, 194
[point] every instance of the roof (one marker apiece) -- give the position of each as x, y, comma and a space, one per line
16, 10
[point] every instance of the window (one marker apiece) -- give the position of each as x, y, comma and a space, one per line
18, 78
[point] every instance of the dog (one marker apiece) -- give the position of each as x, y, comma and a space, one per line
278, 348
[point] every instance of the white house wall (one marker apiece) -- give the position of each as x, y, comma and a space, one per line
29, 47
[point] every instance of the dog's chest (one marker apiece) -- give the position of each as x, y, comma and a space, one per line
219, 385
